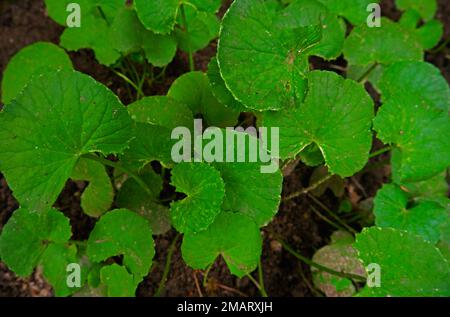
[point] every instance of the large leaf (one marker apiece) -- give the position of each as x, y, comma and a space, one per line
193, 89
410, 266
420, 80
233, 236
98, 196
262, 62
123, 232
118, 282
336, 116
355, 11
364, 47
156, 15
391, 211
33, 60
205, 192
58, 118
420, 131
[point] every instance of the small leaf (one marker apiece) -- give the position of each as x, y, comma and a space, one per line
98, 196
430, 34
123, 232
22, 245
391, 211
118, 281
312, 156
162, 111
233, 236
252, 45
422, 81
336, 116
33, 60
426, 8
355, 11
410, 266
205, 192
420, 132
363, 45
193, 89
59, 117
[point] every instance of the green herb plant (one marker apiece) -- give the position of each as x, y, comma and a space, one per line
59, 124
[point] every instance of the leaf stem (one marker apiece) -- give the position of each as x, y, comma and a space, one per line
308, 189
318, 266
366, 74
120, 167
205, 275
186, 29
162, 283
261, 279
258, 286
381, 151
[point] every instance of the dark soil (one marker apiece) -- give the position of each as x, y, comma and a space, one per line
24, 22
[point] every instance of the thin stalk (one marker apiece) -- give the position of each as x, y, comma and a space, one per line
332, 214
308, 189
261, 290
128, 80
118, 166
205, 275
319, 266
261, 279
367, 73
380, 151
186, 29
324, 218
162, 283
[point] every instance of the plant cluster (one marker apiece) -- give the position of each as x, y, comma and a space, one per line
60, 124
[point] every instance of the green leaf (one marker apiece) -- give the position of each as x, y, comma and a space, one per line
363, 45
233, 236
22, 245
54, 262
312, 156
391, 211
336, 116
426, 8
58, 118
220, 90
247, 189
158, 16
133, 197
357, 72
151, 143
420, 131
252, 45
430, 34
339, 256
422, 81
98, 196
128, 35
434, 188
33, 60
205, 192
162, 111
202, 28
410, 266
355, 11
193, 89
123, 232
118, 281
303, 13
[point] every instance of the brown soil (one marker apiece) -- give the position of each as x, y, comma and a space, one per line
24, 22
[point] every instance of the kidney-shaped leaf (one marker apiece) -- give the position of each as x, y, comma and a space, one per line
336, 115
262, 62
355, 11
234, 236
123, 232
58, 118
410, 266
205, 191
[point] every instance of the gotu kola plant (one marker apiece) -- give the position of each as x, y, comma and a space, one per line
59, 124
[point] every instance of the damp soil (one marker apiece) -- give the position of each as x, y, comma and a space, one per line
25, 22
